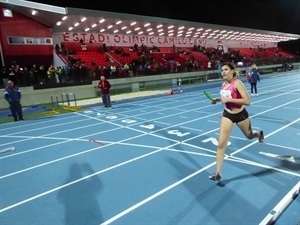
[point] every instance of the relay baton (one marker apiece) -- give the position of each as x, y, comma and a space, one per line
208, 96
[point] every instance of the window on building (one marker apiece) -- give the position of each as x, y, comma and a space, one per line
30, 40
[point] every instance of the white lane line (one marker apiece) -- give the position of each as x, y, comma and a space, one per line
284, 147
281, 157
271, 120
213, 121
196, 171
83, 178
66, 157
270, 134
114, 218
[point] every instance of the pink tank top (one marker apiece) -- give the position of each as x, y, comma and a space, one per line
230, 92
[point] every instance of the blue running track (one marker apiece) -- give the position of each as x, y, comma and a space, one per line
147, 162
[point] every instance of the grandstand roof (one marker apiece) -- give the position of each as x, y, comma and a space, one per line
62, 19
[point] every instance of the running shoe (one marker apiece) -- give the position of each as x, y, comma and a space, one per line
261, 137
215, 176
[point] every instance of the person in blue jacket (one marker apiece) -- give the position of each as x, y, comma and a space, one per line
254, 78
12, 95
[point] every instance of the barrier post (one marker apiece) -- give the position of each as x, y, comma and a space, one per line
65, 97
71, 98
55, 106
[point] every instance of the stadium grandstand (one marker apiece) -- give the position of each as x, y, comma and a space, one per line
49, 46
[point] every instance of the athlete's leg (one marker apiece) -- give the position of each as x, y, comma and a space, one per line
246, 128
224, 135
255, 88
252, 85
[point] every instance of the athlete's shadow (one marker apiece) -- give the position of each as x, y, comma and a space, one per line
211, 202
263, 172
294, 166
80, 198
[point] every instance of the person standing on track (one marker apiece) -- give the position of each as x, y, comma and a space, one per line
13, 95
234, 97
254, 77
104, 86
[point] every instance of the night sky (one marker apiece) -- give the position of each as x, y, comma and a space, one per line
272, 15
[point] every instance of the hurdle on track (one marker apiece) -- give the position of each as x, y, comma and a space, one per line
176, 85
281, 206
55, 106
69, 102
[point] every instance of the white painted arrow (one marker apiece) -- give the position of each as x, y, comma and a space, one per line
214, 141
286, 158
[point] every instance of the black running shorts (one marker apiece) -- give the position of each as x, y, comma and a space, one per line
238, 117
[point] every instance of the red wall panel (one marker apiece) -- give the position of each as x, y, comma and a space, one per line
21, 26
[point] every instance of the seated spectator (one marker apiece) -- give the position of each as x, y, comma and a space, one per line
57, 49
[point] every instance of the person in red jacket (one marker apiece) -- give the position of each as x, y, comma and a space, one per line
104, 86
